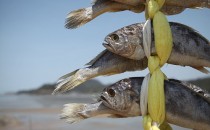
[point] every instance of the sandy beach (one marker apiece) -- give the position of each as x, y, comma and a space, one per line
30, 119
42, 113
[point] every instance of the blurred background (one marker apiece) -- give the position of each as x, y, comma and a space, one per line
36, 49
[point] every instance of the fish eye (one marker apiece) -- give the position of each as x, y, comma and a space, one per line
111, 92
114, 37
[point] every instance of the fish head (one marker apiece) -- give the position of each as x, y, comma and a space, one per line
127, 42
121, 97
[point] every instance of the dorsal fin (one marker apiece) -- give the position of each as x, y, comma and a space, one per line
197, 90
66, 76
192, 30
97, 57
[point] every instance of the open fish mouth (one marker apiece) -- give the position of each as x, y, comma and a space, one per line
109, 46
105, 101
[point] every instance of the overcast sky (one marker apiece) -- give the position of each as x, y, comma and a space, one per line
35, 48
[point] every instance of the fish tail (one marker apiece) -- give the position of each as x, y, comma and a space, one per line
70, 81
71, 112
79, 17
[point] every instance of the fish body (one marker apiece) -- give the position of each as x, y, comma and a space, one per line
189, 47
82, 16
126, 53
186, 105
106, 63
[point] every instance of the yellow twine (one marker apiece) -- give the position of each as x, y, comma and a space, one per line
163, 37
147, 121
163, 45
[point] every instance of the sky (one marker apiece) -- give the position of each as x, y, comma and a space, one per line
36, 48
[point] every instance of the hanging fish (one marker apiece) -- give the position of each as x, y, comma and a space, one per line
186, 105
178, 3
106, 63
82, 16
189, 47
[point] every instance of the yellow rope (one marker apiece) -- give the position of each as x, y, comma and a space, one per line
163, 45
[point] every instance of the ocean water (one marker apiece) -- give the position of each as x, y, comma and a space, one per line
42, 113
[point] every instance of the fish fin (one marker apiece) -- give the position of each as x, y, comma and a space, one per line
97, 57
71, 112
66, 76
78, 17
201, 69
179, 24
195, 89
192, 30
67, 82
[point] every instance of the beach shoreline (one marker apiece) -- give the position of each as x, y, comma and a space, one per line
26, 112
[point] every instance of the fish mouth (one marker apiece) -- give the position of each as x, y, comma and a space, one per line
105, 101
109, 46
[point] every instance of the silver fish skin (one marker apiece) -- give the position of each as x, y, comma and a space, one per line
106, 63
82, 16
187, 105
189, 47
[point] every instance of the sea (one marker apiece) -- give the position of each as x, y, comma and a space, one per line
42, 112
